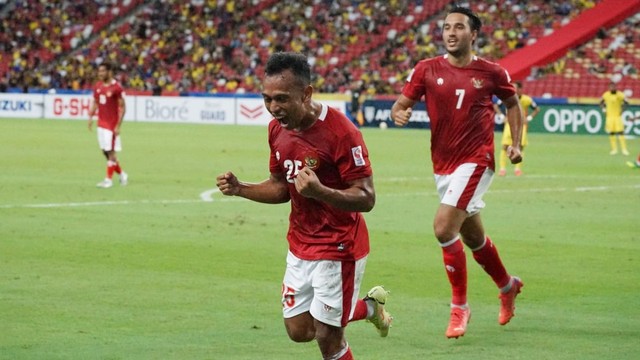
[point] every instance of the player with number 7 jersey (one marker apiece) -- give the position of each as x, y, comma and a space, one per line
458, 89
460, 110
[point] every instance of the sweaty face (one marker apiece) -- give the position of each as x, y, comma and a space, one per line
457, 34
284, 98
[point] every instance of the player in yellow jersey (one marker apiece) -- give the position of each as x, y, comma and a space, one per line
527, 104
612, 104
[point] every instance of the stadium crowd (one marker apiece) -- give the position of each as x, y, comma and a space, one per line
219, 46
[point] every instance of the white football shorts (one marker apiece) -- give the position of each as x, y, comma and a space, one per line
108, 141
328, 289
465, 187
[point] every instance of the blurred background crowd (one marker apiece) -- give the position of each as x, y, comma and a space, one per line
219, 46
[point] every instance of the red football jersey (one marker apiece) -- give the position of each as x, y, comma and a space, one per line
460, 109
334, 148
107, 97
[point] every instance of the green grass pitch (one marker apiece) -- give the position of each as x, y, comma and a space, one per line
151, 271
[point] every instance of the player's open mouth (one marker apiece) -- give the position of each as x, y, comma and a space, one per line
283, 122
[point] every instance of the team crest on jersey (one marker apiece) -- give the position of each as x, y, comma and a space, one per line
440, 81
358, 157
311, 161
477, 83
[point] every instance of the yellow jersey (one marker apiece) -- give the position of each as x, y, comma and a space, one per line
613, 103
526, 103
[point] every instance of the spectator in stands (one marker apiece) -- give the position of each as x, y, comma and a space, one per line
163, 34
612, 104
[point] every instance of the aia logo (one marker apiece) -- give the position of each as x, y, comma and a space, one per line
251, 112
358, 156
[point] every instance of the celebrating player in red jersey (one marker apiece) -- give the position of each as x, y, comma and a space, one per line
320, 163
458, 88
108, 99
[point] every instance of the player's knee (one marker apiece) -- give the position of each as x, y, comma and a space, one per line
443, 232
300, 334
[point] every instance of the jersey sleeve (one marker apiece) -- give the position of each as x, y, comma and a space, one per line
274, 168
504, 87
353, 157
414, 88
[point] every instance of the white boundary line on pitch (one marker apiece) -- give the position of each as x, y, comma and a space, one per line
207, 196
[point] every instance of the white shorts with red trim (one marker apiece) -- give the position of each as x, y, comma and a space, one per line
328, 289
108, 140
465, 187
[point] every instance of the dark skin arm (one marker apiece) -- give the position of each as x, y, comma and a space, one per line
270, 191
516, 123
359, 196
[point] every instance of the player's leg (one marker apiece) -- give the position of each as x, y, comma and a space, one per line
623, 143
460, 195
106, 145
506, 142
297, 294
117, 147
335, 286
446, 225
609, 128
331, 342
372, 306
300, 328
486, 254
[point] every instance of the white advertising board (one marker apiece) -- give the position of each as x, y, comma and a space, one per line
62, 106
29, 106
185, 109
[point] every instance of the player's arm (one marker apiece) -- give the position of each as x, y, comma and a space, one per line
359, 196
122, 108
516, 121
274, 190
401, 110
92, 112
534, 111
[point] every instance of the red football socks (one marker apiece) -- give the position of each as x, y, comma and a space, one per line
455, 263
487, 256
360, 312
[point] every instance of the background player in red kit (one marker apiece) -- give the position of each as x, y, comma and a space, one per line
320, 163
108, 99
458, 88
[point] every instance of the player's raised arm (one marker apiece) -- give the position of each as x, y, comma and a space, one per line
401, 110
270, 191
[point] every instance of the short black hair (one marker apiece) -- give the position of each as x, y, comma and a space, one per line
296, 62
107, 65
474, 20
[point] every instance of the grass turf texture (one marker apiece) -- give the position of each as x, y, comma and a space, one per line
150, 271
